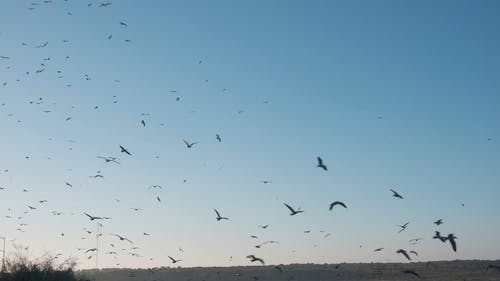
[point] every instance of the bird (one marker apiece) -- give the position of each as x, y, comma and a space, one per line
254, 259
219, 216
404, 253
293, 212
378, 249
438, 222
438, 236
451, 237
409, 271
266, 182
189, 145
123, 238
124, 150
403, 227
174, 260
123, 23
264, 226
321, 164
337, 203
109, 159
91, 250
414, 252
158, 198
395, 194
92, 218
415, 241
217, 137
143, 123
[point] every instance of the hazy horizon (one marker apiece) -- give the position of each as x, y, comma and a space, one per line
390, 94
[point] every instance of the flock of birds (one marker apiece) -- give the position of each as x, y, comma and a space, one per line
120, 238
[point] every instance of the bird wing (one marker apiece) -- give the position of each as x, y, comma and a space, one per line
453, 244
217, 212
320, 161
289, 208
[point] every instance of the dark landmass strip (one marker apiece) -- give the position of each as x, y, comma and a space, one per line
469, 270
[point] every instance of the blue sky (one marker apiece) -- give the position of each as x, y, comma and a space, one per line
390, 94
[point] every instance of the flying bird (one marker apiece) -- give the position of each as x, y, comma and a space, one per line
217, 137
189, 145
254, 259
219, 216
404, 253
123, 238
438, 222
403, 227
124, 150
321, 164
92, 218
409, 271
173, 260
395, 194
337, 203
378, 249
451, 237
293, 212
438, 236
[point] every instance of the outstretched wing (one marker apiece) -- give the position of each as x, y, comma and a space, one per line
453, 244
289, 208
217, 212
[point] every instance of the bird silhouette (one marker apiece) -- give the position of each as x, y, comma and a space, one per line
109, 159
292, 211
403, 227
92, 218
337, 203
438, 236
409, 271
404, 253
217, 137
143, 123
438, 222
321, 164
123, 238
189, 145
451, 237
219, 216
254, 259
174, 260
378, 249
124, 150
395, 194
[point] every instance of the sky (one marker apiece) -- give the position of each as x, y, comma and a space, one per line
397, 95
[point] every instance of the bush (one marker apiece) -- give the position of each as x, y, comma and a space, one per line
19, 267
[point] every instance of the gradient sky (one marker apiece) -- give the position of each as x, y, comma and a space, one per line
391, 94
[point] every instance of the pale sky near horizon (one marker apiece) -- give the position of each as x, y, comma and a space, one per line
391, 94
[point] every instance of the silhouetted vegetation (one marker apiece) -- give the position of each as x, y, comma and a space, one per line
19, 267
